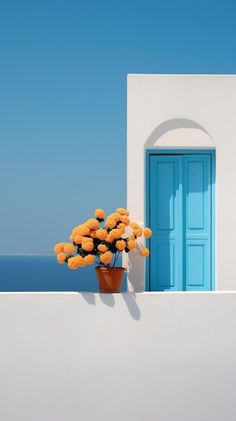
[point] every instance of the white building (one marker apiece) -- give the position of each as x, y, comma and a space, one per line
181, 176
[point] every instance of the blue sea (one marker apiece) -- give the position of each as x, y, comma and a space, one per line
43, 273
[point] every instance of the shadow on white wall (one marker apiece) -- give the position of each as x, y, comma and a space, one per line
109, 301
179, 132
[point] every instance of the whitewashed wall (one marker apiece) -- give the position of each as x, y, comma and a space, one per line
151, 356
185, 111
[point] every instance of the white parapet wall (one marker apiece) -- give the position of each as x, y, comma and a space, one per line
132, 357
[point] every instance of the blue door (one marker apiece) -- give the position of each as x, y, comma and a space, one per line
180, 214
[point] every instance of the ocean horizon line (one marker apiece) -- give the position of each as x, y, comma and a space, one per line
27, 254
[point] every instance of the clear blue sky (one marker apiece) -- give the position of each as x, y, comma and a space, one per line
63, 100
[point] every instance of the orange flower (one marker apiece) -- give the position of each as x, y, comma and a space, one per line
144, 252
106, 257
120, 245
75, 231
101, 234
121, 227
89, 259
109, 238
102, 247
115, 216
84, 239
87, 245
123, 211
58, 248
115, 234
131, 244
73, 262
78, 239
69, 248
93, 233
134, 224
147, 232
61, 257
81, 262
99, 213
82, 230
124, 219
138, 232
110, 223
92, 224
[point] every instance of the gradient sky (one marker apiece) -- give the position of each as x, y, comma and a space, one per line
63, 100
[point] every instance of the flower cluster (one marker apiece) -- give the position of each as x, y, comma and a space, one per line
103, 238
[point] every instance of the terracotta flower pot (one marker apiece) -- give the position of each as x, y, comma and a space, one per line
110, 279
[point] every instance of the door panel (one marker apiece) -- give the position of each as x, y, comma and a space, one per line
195, 194
166, 173
197, 221
180, 218
166, 217
197, 265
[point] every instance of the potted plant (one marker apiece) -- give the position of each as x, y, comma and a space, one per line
102, 240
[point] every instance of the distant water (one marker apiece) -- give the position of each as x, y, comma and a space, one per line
43, 273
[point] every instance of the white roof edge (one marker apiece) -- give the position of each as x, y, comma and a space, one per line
181, 74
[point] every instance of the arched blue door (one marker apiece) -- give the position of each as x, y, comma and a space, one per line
181, 218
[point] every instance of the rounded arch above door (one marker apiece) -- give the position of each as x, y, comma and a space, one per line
179, 133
